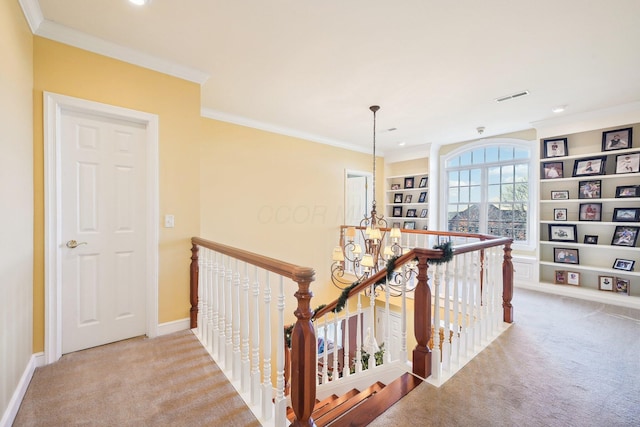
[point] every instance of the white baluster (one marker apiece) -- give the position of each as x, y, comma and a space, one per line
387, 323
446, 345
237, 360
455, 345
201, 281
325, 368
464, 326
210, 298
222, 312
245, 381
255, 342
281, 402
336, 370
436, 366
403, 333
215, 331
359, 336
228, 318
346, 371
266, 354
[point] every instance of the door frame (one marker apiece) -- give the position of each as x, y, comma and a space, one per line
55, 105
369, 196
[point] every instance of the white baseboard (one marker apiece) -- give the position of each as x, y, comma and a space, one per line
174, 326
9, 415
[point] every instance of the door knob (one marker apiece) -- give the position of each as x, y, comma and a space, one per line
72, 244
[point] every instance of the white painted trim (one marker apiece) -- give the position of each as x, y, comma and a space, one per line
54, 104
33, 13
174, 326
579, 292
18, 394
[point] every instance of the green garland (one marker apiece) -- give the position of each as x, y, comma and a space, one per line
447, 253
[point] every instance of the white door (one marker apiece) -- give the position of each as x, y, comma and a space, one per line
103, 209
395, 321
358, 195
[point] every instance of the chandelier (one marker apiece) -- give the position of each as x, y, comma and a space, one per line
355, 262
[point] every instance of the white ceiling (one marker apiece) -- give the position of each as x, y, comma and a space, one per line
312, 69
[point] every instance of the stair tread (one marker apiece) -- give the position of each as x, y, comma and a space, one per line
320, 410
348, 404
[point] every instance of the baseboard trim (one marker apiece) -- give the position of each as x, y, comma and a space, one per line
174, 326
9, 415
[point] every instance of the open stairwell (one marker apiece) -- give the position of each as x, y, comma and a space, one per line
359, 408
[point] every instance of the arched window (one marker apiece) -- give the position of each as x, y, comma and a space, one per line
489, 190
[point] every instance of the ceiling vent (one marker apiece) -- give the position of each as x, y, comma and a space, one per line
513, 96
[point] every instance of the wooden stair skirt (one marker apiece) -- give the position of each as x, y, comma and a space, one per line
359, 408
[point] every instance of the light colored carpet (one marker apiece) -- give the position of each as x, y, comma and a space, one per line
165, 381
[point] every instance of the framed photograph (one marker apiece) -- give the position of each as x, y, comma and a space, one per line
423, 182
622, 285
563, 233
590, 212
566, 256
423, 197
560, 195
397, 211
409, 225
408, 182
573, 278
560, 214
411, 213
625, 236
623, 264
396, 225
605, 283
395, 186
589, 189
555, 147
560, 277
397, 198
552, 170
628, 163
618, 139
628, 191
423, 213
592, 166
626, 214
590, 239
443, 239
407, 198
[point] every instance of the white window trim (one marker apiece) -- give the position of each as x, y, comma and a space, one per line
530, 245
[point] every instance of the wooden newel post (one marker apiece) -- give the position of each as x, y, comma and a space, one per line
507, 284
193, 288
422, 321
303, 354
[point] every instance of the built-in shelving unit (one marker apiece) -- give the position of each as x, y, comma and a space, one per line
407, 201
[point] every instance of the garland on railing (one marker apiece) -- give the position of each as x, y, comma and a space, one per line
447, 253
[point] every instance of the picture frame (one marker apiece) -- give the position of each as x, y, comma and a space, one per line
423, 213
589, 166
605, 283
625, 235
589, 189
409, 225
622, 285
443, 239
395, 186
555, 147
624, 191
397, 211
423, 182
628, 163
560, 195
560, 277
573, 278
590, 212
626, 214
560, 214
591, 239
396, 225
617, 139
563, 233
411, 213
552, 170
408, 182
623, 264
423, 197
397, 198
407, 198
566, 256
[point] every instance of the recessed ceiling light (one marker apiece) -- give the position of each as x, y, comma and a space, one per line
402, 144
139, 2
559, 108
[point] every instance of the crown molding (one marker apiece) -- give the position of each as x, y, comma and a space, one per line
33, 13
243, 121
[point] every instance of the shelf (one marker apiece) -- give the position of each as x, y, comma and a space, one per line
589, 177
602, 270
586, 245
606, 297
632, 224
587, 155
609, 199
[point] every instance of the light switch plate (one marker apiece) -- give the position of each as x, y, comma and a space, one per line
169, 221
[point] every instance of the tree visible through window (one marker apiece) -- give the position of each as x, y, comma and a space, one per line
488, 191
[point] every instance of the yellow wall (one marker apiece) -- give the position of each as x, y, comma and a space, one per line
74, 72
16, 193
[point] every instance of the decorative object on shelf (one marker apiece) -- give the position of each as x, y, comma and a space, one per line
560, 277
623, 191
563, 233
423, 182
396, 225
408, 182
590, 166
397, 198
560, 214
623, 264
423, 213
555, 147
395, 186
407, 198
589, 189
553, 170
590, 212
397, 211
625, 236
628, 163
591, 239
626, 214
566, 256
573, 278
605, 283
560, 195
617, 139
409, 225
423, 197
622, 285
411, 213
